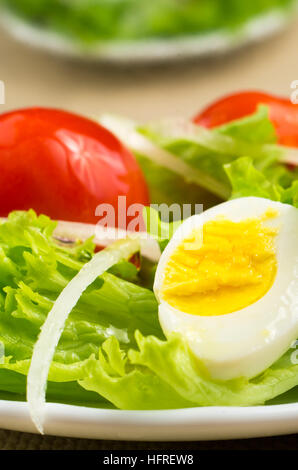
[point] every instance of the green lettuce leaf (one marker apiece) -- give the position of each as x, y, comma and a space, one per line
255, 128
13, 387
165, 374
128, 387
167, 186
246, 180
34, 269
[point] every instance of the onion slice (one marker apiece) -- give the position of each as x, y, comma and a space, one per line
104, 236
53, 326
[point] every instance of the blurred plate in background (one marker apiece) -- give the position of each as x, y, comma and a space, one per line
148, 51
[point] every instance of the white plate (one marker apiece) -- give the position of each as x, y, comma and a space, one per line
148, 51
167, 425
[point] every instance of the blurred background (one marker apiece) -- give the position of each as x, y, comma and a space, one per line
165, 61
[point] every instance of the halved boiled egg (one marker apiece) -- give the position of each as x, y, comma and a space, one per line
228, 283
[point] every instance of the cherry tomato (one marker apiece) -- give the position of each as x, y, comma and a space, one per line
283, 113
64, 165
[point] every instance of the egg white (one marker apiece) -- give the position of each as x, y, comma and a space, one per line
245, 342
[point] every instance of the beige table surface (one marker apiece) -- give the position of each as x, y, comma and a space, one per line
34, 78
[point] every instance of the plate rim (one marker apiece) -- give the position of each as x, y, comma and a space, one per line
185, 424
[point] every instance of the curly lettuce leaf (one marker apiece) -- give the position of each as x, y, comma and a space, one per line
126, 386
255, 128
246, 180
35, 268
165, 374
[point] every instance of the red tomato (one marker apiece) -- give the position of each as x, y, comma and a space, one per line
283, 113
64, 165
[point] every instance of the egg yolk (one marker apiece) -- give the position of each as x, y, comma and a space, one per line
223, 267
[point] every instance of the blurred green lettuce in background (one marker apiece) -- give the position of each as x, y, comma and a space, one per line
90, 21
